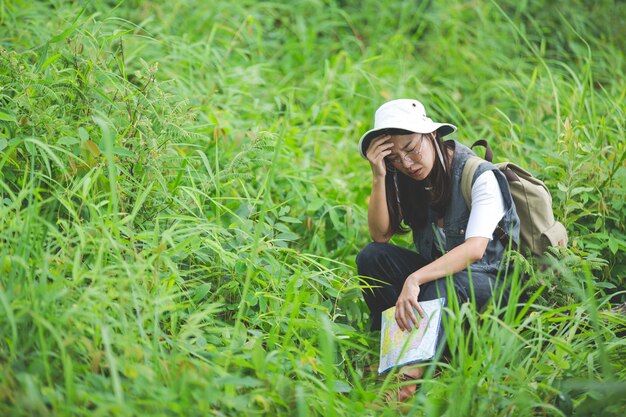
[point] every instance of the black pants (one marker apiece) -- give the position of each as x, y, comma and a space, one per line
386, 267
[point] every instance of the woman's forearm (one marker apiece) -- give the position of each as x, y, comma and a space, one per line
377, 212
452, 262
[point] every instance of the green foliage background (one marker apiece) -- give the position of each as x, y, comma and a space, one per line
181, 202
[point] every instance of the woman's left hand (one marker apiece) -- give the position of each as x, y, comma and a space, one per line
407, 301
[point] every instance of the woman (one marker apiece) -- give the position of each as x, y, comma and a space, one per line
416, 181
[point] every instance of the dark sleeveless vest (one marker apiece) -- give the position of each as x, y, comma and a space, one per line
455, 220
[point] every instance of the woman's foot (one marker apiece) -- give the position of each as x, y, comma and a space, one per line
407, 386
409, 374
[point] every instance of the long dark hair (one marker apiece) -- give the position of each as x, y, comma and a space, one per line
408, 200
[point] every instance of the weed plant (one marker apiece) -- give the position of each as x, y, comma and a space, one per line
181, 202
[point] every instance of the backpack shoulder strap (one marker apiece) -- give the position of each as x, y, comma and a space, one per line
488, 151
471, 165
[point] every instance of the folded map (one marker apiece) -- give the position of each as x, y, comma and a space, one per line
399, 347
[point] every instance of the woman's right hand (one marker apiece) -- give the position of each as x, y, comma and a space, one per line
376, 153
407, 302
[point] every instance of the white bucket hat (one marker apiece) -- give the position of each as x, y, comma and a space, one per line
401, 117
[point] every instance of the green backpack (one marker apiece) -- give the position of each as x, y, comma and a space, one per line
533, 203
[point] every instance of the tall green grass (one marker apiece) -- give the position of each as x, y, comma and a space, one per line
182, 200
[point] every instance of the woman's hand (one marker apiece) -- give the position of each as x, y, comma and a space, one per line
376, 153
405, 315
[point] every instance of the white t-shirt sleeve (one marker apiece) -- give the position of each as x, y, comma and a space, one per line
487, 206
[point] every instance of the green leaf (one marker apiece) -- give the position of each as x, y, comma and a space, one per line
68, 140
83, 134
289, 236
579, 190
43, 53
240, 266
61, 36
341, 386
201, 342
7, 116
50, 61
613, 245
282, 227
240, 382
544, 368
252, 299
117, 150
599, 223
288, 219
201, 292
30, 147
315, 205
334, 218
3, 144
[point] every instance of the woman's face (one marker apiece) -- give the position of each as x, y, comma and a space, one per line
412, 154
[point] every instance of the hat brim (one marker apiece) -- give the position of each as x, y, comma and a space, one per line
442, 128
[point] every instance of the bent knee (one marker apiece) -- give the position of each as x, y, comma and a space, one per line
368, 256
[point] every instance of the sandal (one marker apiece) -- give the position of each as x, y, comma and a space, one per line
406, 385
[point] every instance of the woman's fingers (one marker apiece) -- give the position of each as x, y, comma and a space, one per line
412, 317
402, 324
407, 305
378, 147
380, 140
378, 150
378, 156
419, 309
405, 316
